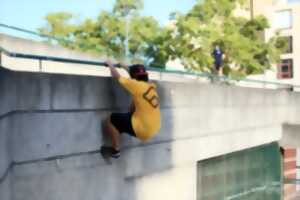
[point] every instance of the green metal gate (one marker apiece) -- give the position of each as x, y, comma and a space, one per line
252, 174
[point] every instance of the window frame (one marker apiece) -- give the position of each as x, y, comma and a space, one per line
291, 19
282, 74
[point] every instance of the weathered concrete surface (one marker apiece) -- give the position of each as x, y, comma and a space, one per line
291, 136
90, 178
51, 107
6, 188
50, 127
5, 158
5, 145
57, 115
298, 169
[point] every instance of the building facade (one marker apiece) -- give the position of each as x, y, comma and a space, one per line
283, 15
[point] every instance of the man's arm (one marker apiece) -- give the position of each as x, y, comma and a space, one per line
127, 83
113, 71
124, 66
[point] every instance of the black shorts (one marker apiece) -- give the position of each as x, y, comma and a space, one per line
122, 122
218, 66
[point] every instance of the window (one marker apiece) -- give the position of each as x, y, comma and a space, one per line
287, 40
285, 69
283, 19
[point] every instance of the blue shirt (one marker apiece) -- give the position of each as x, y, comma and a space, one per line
218, 56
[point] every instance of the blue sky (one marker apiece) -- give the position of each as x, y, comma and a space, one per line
293, 1
29, 14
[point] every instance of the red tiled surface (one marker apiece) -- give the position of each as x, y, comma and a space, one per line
290, 153
291, 176
289, 169
289, 165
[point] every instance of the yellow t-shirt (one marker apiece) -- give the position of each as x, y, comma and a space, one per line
146, 117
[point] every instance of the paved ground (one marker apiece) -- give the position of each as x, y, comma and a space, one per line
297, 197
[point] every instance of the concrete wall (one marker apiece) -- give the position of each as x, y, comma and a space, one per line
5, 160
54, 124
291, 136
298, 169
6, 132
269, 8
51, 133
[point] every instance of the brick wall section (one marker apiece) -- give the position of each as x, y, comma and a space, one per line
289, 171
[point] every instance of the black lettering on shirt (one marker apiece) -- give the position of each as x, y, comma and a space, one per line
152, 99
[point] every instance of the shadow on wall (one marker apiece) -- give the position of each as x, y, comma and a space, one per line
5, 138
55, 131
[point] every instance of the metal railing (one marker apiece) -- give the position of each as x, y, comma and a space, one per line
212, 77
51, 58
14, 28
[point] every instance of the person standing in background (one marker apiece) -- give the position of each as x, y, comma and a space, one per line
218, 60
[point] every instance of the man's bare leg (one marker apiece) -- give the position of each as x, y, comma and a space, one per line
114, 134
220, 72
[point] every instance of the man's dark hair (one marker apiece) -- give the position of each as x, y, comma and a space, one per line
138, 72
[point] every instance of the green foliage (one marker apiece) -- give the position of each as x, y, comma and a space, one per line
190, 37
282, 43
123, 7
214, 22
59, 25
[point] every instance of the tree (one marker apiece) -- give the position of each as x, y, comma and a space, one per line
106, 34
123, 7
189, 37
59, 25
214, 22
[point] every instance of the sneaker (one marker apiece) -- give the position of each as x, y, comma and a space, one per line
116, 154
110, 152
